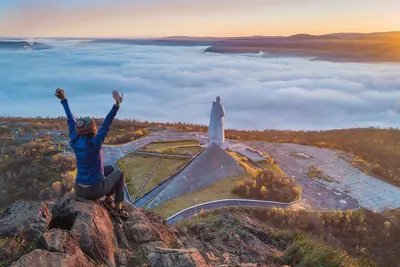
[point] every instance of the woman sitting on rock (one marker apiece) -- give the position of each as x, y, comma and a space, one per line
93, 181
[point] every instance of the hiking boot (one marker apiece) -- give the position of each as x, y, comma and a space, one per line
119, 213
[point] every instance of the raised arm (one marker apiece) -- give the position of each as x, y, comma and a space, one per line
60, 94
105, 127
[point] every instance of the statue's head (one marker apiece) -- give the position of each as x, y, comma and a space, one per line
218, 99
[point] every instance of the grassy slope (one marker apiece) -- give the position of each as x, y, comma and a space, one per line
137, 168
165, 169
219, 190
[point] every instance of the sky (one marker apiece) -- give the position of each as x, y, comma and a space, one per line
220, 18
172, 84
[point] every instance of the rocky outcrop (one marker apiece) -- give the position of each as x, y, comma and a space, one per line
177, 258
27, 220
78, 232
143, 233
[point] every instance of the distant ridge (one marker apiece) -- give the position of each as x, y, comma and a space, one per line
22, 45
341, 47
211, 166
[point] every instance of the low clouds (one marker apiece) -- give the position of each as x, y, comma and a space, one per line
179, 84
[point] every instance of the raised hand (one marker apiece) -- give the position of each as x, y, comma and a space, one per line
60, 94
118, 98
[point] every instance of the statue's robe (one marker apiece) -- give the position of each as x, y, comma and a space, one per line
216, 131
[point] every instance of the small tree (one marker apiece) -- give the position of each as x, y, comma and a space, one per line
264, 192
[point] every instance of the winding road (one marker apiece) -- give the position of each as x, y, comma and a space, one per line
226, 203
317, 194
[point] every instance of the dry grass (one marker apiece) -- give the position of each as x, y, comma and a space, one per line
244, 163
314, 172
162, 146
165, 169
194, 150
137, 168
219, 190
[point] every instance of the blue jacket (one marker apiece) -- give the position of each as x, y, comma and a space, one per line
88, 152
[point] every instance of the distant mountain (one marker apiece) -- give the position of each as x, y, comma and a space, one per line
356, 47
167, 41
22, 45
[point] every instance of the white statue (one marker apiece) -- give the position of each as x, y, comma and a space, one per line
216, 130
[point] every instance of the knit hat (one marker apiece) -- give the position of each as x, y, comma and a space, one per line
85, 125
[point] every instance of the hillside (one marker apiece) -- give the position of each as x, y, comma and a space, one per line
358, 238
75, 232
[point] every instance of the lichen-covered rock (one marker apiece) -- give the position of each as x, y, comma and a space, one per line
143, 227
141, 233
231, 240
57, 240
28, 220
177, 258
144, 250
44, 258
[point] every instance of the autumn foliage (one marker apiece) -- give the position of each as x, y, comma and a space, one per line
268, 185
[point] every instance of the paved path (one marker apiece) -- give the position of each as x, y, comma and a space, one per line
114, 153
372, 193
163, 154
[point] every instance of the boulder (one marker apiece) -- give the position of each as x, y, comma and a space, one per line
28, 220
176, 258
145, 249
90, 224
46, 258
65, 210
56, 248
57, 240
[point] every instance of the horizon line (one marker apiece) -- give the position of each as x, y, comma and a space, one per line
188, 36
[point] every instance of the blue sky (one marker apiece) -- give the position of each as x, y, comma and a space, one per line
127, 18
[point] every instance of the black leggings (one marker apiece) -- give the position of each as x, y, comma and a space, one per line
112, 184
